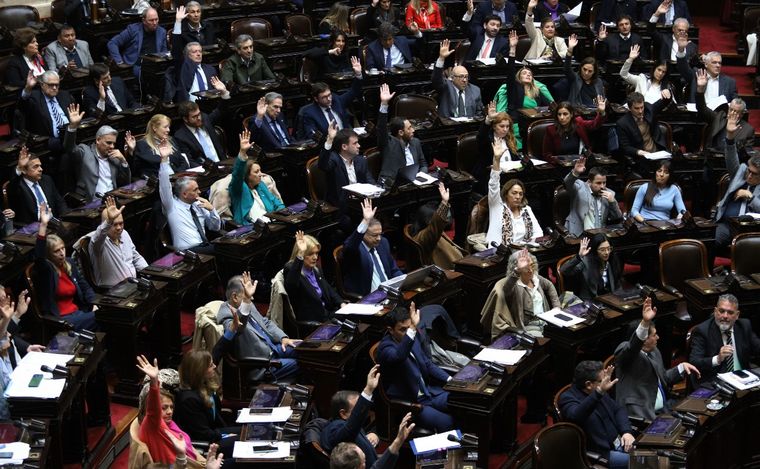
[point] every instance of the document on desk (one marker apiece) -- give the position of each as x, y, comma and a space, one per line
573, 14
487, 60
363, 189
560, 318
740, 382
360, 309
538, 61
18, 450
501, 356
277, 414
537, 162
716, 102
261, 449
423, 179
658, 155
435, 442
29, 366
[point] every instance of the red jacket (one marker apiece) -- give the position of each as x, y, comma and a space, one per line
424, 19
582, 128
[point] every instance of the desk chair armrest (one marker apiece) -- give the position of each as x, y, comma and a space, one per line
672, 290
256, 362
307, 327
638, 423
450, 369
468, 346
56, 321
596, 458
409, 406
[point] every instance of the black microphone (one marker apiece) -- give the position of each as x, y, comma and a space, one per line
501, 249
58, 372
454, 437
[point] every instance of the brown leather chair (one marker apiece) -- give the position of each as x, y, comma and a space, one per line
389, 412
246, 121
359, 22
49, 324
222, 138
56, 11
413, 106
374, 161
478, 222
3, 67
467, 152
668, 131
81, 255
237, 386
536, 136
299, 25
316, 179
415, 258
563, 283
309, 70
338, 258
14, 17
744, 254
749, 22
523, 46
461, 51
563, 445
593, 13
722, 188
257, 28
681, 260
629, 194
555, 402
561, 206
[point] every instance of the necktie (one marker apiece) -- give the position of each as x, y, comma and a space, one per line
199, 78
208, 149
73, 56
282, 138
38, 194
266, 337
728, 363
378, 268
198, 225
423, 387
486, 49
111, 99
460, 105
388, 64
660, 399
330, 115
57, 118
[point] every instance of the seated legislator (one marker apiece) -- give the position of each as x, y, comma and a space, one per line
187, 214
457, 96
527, 294
98, 167
642, 379
106, 95
113, 255
496, 128
310, 295
423, 15
617, 46
409, 374
594, 206
26, 58
585, 85
190, 73
657, 199
68, 52
716, 119
610, 10
197, 138
44, 109
156, 145
429, 231
328, 107
485, 41
544, 43
551, 9
570, 134
367, 258
30, 188
61, 290
348, 411
399, 149
510, 218
666, 11
638, 132
650, 86
351, 456
245, 65
476, 16
195, 28
605, 422
138, 39
595, 270
258, 337
389, 50
384, 11
333, 58
666, 44
268, 127
743, 192
718, 84
724, 342
336, 19
250, 197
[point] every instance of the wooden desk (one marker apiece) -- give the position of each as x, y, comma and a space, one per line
254, 250
12, 266
458, 458
702, 294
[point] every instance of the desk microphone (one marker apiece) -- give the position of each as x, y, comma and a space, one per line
466, 439
454, 437
58, 371
501, 249
84, 336
496, 368
686, 418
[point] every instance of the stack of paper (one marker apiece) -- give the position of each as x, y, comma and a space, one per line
360, 309
658, 155
261, 449
18, 450
423, 179
560, 318
365, 190
29, 366
277, 414
436, 442
500, 356
740, 382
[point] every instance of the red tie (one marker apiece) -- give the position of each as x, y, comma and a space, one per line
486, 49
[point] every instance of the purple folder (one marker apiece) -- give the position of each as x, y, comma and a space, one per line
298, 207
240, 231
483, 254
325, 332
662, 426
93, 204
135, 186
29, 229
376, 297
168, 261
703, 393
469, 374
505, 342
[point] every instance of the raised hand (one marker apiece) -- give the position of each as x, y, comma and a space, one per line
261, 107
23, 158
663, 8
179, 443
404, 429
181, 14
607, 381
701, 79
75, 117
445, 49
151, 371
235, 323
368, 213
414, 314
492, 110
45, 214
532, 4
218, 84
111, 211
523, 260
214, 460
373, 378
249, 287
31, 81
580, 166
648, 312
583, 250
22, 304
7, 308
602, 33
356, 65
332, 131
101, 91
385, 93
129, 142
572, 41
300, 243
513, 39
245, 144
444, 192
414, 28
635, 51
601, 104
732, 123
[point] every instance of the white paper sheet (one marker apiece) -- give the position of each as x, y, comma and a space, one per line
502, 357
360, 130
20, 452
49, 388
244, 450
366, 190
197, 169
487, 60
691, 107
538, 61
738, 382
714, 103
462, 119
573, 14
658, 155
551, 317
360, 309
435, 442
428, 179
507, 165
278, 414
538, 162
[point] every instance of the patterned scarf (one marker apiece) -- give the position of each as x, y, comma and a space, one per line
550, 51
506, 226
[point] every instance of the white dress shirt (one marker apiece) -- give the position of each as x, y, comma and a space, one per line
111, 262
105, 183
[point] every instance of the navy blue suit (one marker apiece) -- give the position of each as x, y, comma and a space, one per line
376, 53
339, 431
314, 119
184, 71
706, 343
680, 8
337, 176
402, 364
500, 44
611, 10
91, 96
358, 266
484, 9
264, 136
125, 47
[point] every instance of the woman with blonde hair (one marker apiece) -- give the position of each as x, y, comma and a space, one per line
423, 14
312, 298
156, 144
336, 19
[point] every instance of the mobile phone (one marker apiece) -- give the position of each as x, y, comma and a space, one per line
563, 317
264, 449
6, 455
741, 373
35, 381
260, 410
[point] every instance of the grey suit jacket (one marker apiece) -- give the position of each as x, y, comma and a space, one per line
448, 97
582, 202
738, 174
638, 375
394, 157
248, 342
86, 170
55, 55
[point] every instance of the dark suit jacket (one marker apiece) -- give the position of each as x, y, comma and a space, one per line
146, 161
376, 53
600, 417
188, 144
615, 48
37, 118
303, 298
401, 375
629, 136
706, 342
393, 152
206, 36
358, 266
264, 136
125, 47
339, 431
500, 45
193, 416
45, 278
314, 118
588, 279
484, 9
75, 16
611, 10
542, 12
337, 176
726, 84
91, 96
680, 8
23, 202
184, 71
716, 126
448, 96
16, 71
663, 43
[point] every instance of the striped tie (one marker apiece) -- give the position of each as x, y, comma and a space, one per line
57, 118
728, 363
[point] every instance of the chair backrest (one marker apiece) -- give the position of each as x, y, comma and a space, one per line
461, 51
668, 132
555, 402
563, 283
374, 161
561, 205
523, 46
467, 152
338, 258
745, 259
413, 106
222, 138
81, 254
358, 21
316, 179
478, 222
416, 257
751, 15
593, 13
18, 16
315, 455
681, 260
536, 136
309, 70
6, 204
299, 24
629, 194
56, 11
722, 187
257, 28
563, 445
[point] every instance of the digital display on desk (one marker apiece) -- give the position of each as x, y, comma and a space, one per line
168, 261
505, 342
325, 332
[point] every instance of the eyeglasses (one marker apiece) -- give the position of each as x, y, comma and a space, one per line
462, 77
52, 85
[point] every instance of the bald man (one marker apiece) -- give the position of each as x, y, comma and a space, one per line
458, 97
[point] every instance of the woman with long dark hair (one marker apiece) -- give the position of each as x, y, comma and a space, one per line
569, 134
595, 270
26, 58
651, 85
331, 59
336, 19
656, 199
384, 11
585, 85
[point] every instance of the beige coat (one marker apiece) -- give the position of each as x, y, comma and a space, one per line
537, 44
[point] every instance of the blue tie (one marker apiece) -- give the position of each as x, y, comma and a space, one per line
268, 340
57, 118
208, 150
331, 115
378, 267
388, 64
423, 387
199, 77
38, 194
283, 140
